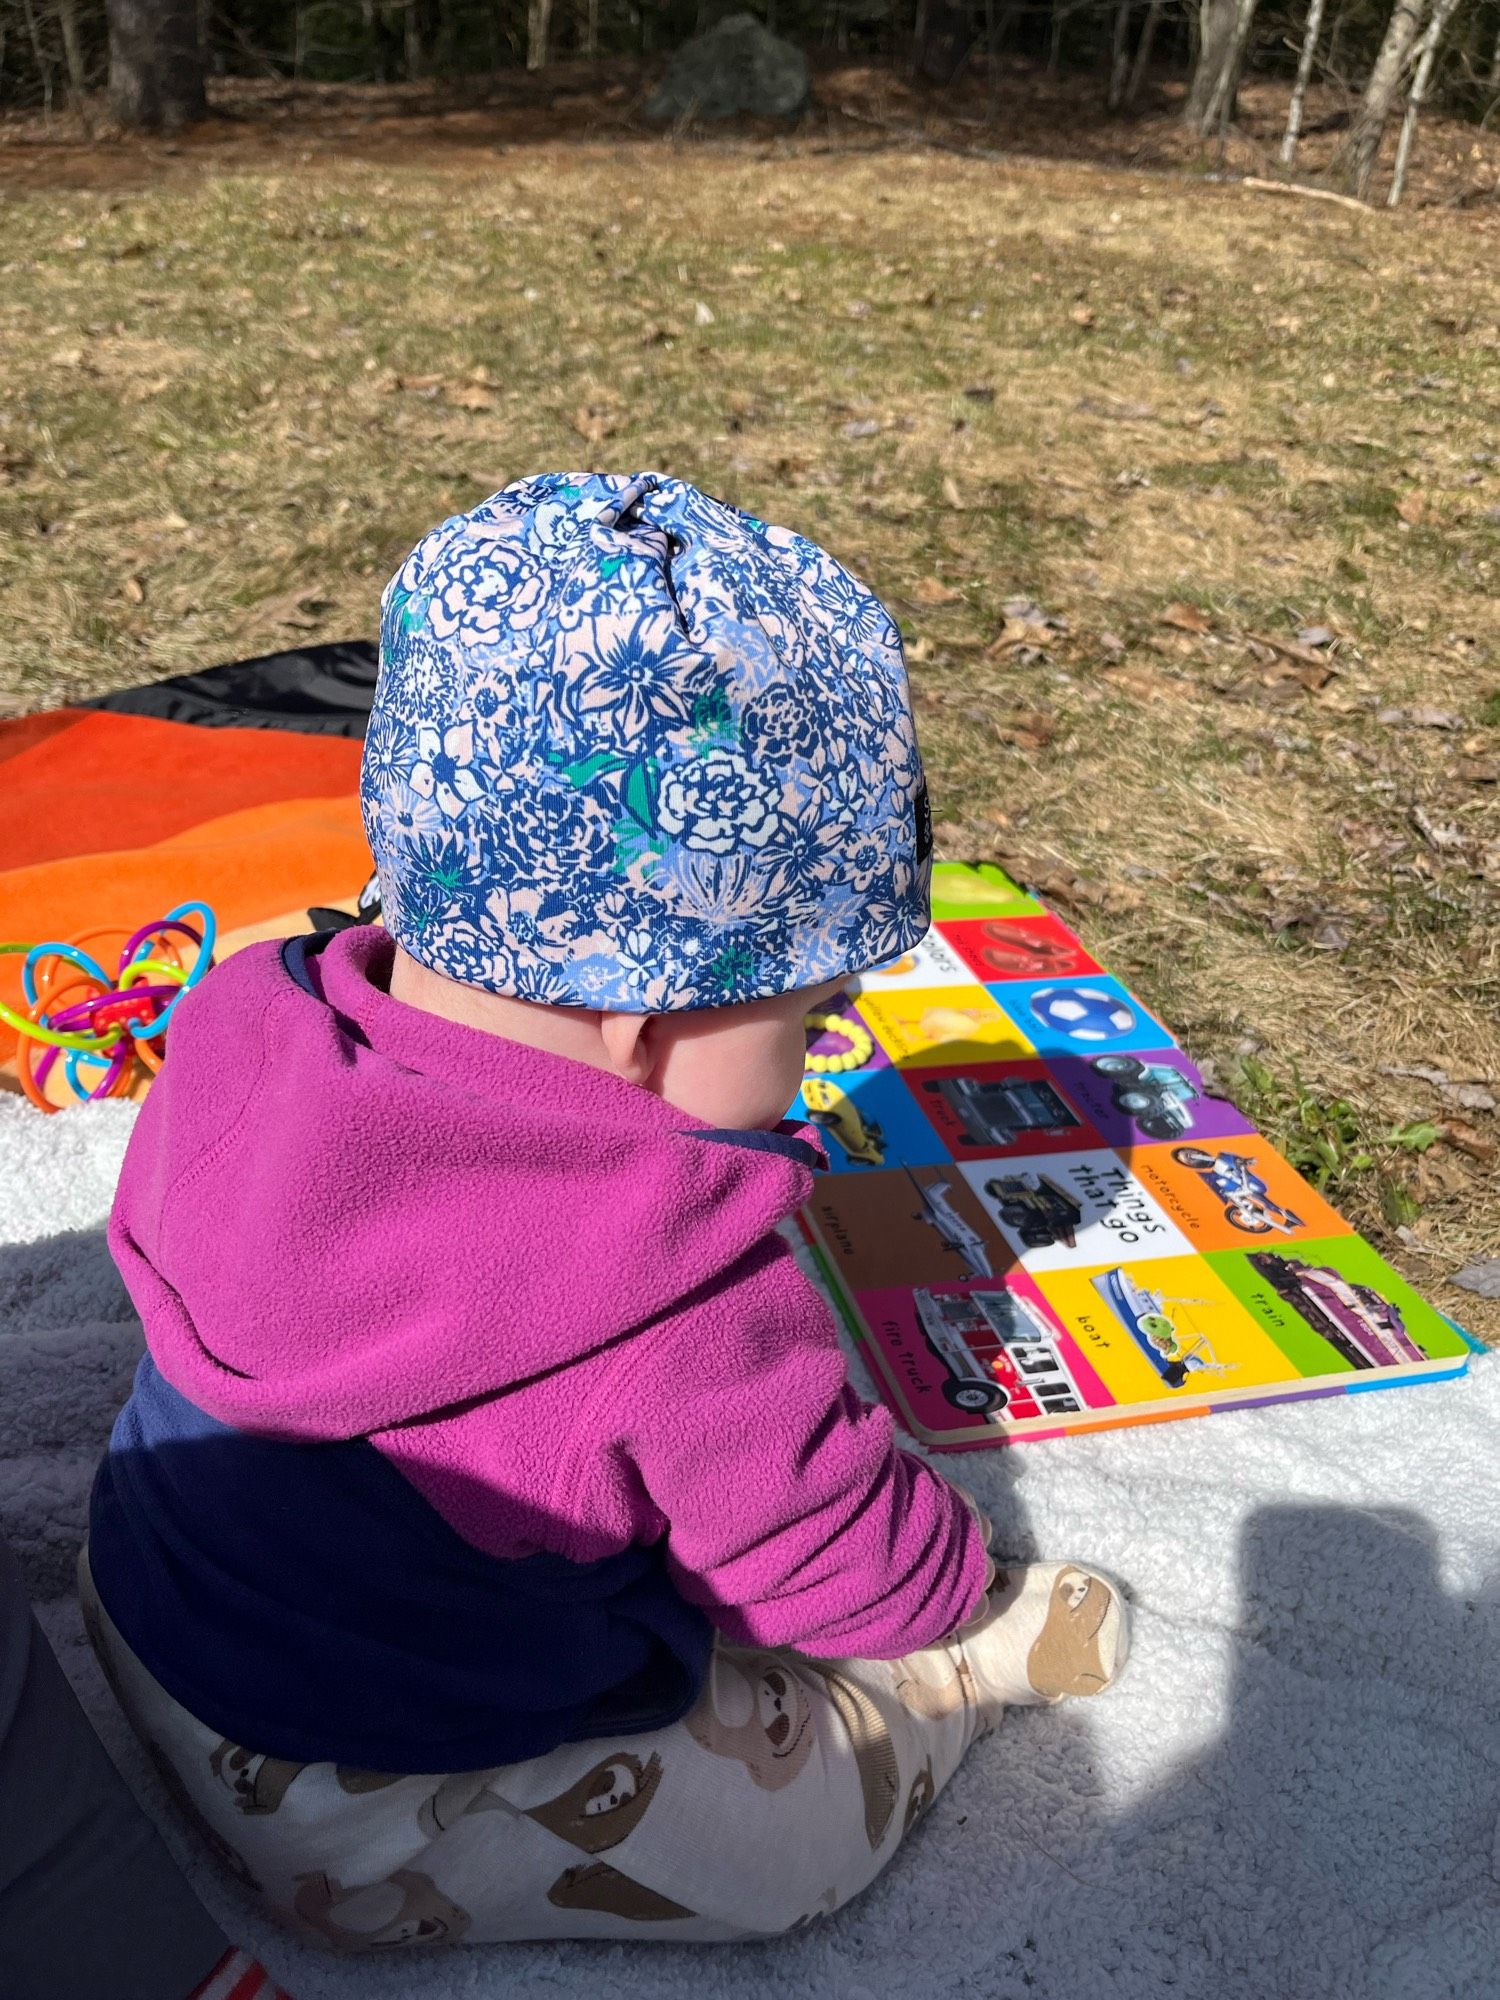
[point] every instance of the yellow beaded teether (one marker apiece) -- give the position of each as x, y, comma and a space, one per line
855, 1033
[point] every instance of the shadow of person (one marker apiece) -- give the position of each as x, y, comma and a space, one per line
1338, 1839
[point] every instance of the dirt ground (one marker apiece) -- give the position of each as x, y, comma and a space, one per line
1187, 496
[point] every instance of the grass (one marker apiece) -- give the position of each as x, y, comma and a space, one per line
1187, 420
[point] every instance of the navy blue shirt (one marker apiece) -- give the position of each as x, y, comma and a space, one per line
307, 1602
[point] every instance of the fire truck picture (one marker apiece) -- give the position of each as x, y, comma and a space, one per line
1000, 1356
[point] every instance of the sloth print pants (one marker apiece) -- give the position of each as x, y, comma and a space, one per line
780, 1796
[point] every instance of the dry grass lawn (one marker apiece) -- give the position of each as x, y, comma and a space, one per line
1107, 443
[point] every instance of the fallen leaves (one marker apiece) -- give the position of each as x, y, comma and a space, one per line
594, 422
298, 610
1442, 838
1185, 618
1473, 1095
1467, 1139
930, 590
1029, 729
1290, 661
476, 389
1286, 665
1420, 718
472, 396
1028, 633
1482, 1277
1324, 930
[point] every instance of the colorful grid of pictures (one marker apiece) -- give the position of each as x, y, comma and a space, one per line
1041, 1219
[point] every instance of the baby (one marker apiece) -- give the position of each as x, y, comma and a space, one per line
493, 1546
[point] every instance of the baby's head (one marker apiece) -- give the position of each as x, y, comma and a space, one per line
641, 784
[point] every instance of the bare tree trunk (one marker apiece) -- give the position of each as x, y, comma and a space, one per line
38, 55
1119, 57
78, 80
1355, 164
1216, 25
538, 21
994, 29
1442, 13
1494, 75
1218, 107
1143, 48
591, 31
155, 64
1299, 89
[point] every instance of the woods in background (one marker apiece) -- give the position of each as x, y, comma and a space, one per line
1386, 57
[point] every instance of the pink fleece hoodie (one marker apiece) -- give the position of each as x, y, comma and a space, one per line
558, 1310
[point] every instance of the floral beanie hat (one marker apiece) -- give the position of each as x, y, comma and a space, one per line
633, 749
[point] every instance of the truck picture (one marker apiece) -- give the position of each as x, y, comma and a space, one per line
998, 1111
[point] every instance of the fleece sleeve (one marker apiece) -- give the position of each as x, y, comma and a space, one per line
790, 1515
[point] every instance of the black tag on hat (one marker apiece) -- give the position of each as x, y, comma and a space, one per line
924, 824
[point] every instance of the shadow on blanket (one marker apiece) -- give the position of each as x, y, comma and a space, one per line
1340, 1837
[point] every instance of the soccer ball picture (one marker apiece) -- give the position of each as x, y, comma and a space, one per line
1083, 1013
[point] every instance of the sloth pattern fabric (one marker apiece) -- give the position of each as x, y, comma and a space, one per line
777, 1799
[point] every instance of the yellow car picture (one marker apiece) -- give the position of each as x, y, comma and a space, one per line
835, 1111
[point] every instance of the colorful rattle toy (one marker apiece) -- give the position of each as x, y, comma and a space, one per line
97, 1021
855, 1033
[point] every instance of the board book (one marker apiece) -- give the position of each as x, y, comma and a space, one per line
1039, 1218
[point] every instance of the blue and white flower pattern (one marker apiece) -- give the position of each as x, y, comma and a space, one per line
634, 749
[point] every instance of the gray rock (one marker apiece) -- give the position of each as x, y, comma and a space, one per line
738, 67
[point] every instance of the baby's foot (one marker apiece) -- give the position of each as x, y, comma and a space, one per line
1052, 1629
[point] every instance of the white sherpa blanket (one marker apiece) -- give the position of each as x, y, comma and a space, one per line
1291, 1796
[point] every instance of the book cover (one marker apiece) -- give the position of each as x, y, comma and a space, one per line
1039, 1218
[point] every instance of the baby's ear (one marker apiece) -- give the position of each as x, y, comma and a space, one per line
633, 1044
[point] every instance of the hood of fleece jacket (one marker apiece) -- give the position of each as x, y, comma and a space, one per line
338, 1212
